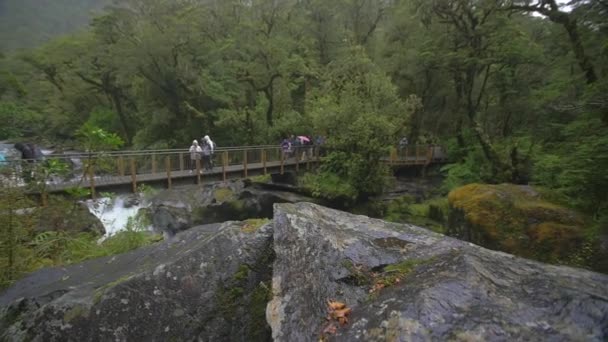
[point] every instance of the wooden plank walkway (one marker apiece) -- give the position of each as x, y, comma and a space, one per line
108, 181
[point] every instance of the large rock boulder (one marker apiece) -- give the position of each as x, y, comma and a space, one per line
405, 283
181, 208
210, 283
515, 219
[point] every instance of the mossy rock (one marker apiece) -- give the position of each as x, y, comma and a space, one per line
515, 219
223, 194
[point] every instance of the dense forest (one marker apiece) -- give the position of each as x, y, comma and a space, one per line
515, 90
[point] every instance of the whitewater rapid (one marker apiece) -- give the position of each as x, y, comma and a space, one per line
112, 212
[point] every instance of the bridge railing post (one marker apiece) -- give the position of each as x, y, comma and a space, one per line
153, 162
224, 164
282, 161
245, 163
133, 175
417, 153
264, 161
198, 171
92, 179
308, 153
297, 153
121, 166
168, 168
181, 161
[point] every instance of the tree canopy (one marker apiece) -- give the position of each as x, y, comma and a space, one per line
509, 87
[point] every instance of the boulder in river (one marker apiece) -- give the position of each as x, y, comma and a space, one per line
405, 283
183, 207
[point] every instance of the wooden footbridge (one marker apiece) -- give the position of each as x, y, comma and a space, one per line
120, 168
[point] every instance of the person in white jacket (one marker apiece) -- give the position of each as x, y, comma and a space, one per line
212, 147
195, 154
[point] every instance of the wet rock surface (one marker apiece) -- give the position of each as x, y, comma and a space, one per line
447, 289
236, 281
181, 208
209, 283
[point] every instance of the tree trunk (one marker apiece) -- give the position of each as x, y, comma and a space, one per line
579, 51
269, 111
122, 116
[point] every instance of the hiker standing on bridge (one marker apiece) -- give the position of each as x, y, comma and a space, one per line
212, 146
206, 154
195, 154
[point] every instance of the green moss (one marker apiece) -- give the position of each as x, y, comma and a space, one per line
230, 293
262, 179
259, 329
223, 194
518, 220
75, 312
252, 225
242, 273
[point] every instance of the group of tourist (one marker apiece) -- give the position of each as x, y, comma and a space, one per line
202, 151
292, 144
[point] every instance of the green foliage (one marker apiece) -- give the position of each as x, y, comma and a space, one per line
261, 179
146, 190
330, 186
577, 166
96, 139
24, 249
18, 121
431, 214
359, 111
105, 119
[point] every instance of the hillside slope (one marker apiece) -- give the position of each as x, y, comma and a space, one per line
28, 23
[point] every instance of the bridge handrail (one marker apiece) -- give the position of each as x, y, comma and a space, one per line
137, 153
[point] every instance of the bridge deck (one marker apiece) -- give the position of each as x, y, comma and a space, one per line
103, 181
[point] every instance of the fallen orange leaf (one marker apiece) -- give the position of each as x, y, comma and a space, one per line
333, 305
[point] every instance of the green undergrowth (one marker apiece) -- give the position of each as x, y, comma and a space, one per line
329, 186
57, 248
431, 214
